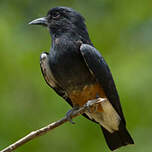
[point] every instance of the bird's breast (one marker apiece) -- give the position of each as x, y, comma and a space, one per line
69, 69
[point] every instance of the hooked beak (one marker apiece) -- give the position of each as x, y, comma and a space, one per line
39, 21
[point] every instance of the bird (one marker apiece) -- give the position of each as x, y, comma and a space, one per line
78, 73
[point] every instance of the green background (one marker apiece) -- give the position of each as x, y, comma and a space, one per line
121, 30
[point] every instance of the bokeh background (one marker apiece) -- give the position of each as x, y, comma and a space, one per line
121, 30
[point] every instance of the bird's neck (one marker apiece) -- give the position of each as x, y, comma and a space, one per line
71, 34
64, 39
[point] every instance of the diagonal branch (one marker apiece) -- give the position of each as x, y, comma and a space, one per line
51, 126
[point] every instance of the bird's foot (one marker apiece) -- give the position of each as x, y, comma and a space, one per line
93, 105
69, 113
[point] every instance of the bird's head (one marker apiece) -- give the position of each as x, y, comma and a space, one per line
61, 19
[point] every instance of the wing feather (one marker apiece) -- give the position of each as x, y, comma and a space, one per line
97, 65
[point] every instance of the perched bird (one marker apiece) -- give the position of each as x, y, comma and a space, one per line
77, 72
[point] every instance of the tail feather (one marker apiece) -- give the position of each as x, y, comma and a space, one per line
118, 138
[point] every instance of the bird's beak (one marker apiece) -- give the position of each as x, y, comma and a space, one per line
40, 21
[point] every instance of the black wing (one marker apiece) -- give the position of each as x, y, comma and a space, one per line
99, 68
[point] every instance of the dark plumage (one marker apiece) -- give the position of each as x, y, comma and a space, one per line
78, 73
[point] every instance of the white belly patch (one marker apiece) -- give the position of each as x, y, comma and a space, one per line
108, 118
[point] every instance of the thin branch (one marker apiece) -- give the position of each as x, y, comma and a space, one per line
51, 126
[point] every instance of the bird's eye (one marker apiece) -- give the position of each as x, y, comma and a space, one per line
55, 15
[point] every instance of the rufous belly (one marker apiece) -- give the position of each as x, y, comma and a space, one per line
88, 92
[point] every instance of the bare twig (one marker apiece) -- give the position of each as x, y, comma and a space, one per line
51, 126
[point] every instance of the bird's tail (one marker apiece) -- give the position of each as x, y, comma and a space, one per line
118, 138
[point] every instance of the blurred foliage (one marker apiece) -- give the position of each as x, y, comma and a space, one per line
121, 30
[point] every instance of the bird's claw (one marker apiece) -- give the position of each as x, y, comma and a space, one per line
91, 106
69, 113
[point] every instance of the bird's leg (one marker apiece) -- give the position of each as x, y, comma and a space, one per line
90, 106
70, 112
93, 104
97, 96
92, 109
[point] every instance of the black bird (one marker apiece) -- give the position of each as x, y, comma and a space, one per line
78, 73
